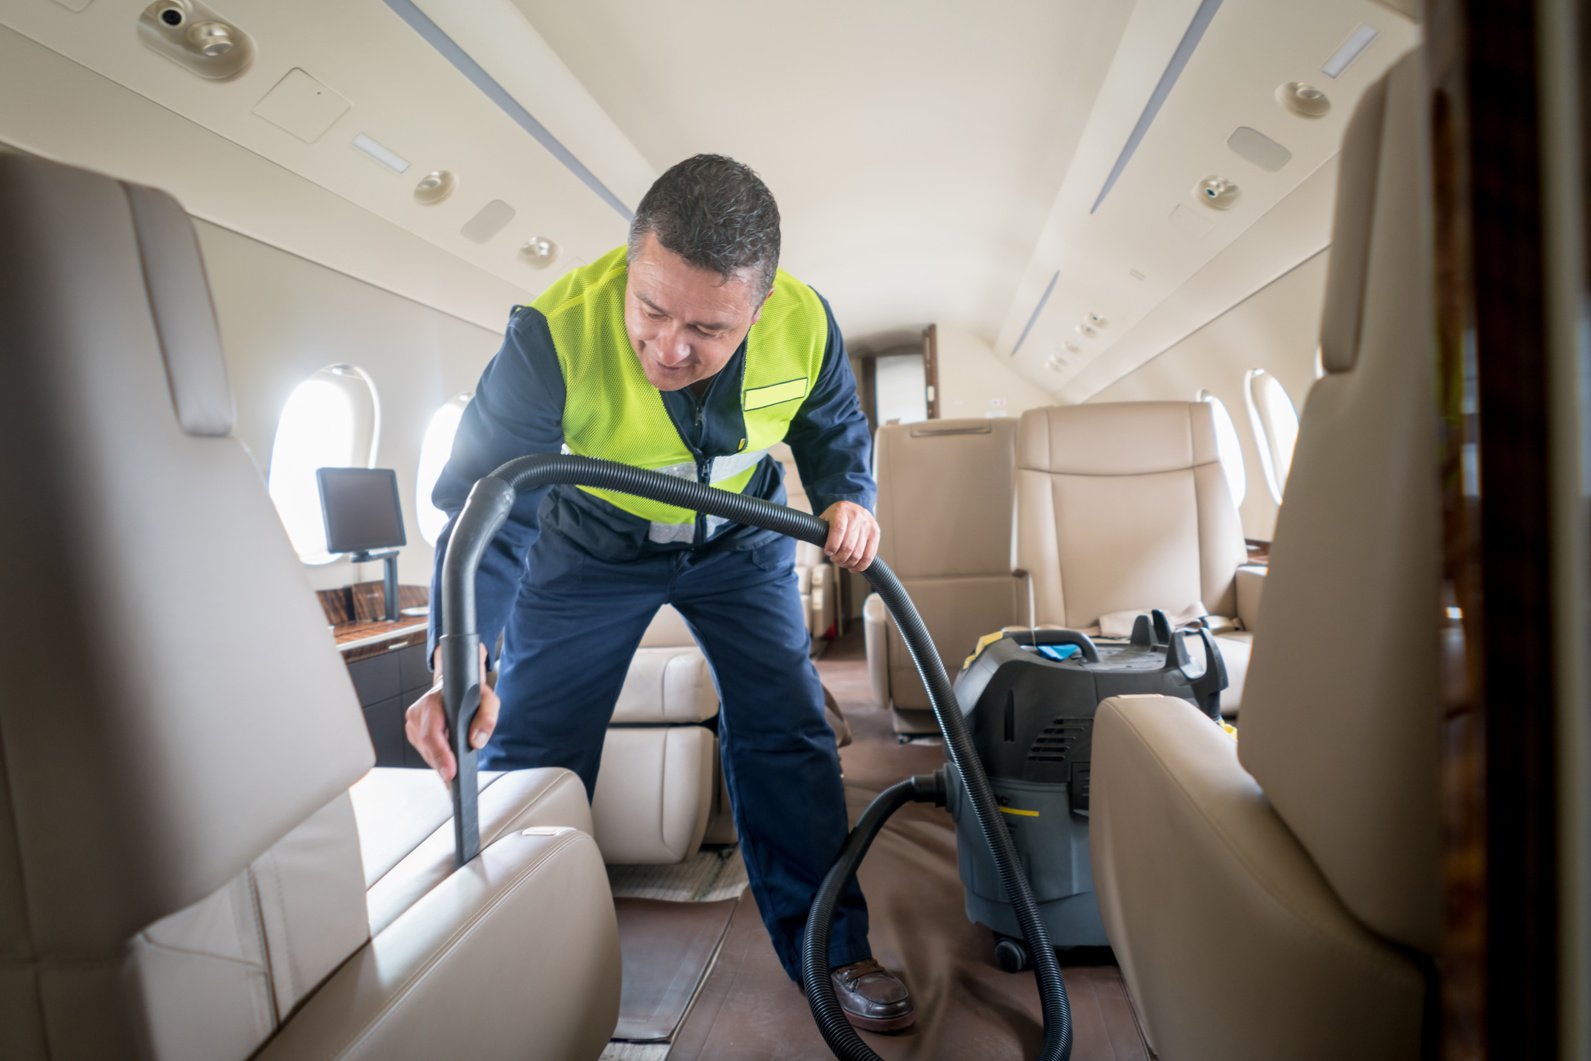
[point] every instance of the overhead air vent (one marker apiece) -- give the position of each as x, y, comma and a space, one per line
435, 186
539, 252
1216, 192
1306, 101
195, 38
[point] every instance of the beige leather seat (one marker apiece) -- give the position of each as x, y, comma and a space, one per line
945, 498
661, 792
1281, 896
1122, 507
658, 787
818, 578
183, 870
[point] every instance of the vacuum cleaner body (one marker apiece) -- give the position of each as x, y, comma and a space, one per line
1029, 699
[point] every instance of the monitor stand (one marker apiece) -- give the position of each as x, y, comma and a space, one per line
389, 578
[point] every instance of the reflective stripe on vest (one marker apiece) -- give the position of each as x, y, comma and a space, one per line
611, 410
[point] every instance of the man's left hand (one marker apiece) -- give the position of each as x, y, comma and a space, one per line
853, 535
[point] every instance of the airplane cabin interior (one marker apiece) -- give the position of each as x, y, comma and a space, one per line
1220, 687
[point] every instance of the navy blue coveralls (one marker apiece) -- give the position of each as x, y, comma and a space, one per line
572, 583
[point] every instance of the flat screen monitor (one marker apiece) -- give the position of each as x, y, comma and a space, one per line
361, 509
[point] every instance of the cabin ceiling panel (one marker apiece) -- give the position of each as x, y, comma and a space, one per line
403, 93
64, 111
915, 149
1151, 235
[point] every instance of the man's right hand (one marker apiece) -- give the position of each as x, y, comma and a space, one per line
425, 723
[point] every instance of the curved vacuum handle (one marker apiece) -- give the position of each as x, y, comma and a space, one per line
1035, 637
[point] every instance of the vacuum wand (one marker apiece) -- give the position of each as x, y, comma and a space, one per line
483, 515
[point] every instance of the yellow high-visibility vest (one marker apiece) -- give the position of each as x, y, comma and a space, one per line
612, 410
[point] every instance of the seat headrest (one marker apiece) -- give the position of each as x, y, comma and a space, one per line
946, 495
1117, 438
1349, 261
179, 301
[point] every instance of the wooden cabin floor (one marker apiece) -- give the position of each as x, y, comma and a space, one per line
966, 1007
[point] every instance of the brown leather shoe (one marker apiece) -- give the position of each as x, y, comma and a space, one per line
873, 998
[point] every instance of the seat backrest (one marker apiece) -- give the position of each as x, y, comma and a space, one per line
1123, 507
1341, 720
180, 862
945, 502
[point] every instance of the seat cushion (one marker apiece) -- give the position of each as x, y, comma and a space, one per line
406, 832
516, 955
667, 686
654, 793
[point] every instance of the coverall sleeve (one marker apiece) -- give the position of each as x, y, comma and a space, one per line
517, 410
830, 437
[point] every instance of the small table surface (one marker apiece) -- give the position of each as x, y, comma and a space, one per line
378, 632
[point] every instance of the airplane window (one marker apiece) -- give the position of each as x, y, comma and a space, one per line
434, 451
319, 428
1275, 423
1227, 447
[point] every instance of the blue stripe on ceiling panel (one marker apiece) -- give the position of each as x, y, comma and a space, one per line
461, 61
1168, 81
1043, 300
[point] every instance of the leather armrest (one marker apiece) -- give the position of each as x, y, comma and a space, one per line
516, 953
1250, 585
406, 828
875, 627
1171, 803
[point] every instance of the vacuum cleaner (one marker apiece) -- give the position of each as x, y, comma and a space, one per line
484, 513
1029, 699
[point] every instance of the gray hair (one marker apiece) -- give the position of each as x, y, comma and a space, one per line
716, 214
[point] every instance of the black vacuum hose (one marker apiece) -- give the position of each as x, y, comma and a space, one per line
484, 513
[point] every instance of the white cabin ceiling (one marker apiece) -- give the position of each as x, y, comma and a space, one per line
933, 162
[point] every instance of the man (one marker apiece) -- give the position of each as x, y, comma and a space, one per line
687, 352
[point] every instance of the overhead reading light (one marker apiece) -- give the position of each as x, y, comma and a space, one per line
1304, 100
435, 186
1055, 363
539, 252
1343, 57
211, 39
1071, 347
1216, 192
1097, 321
1086, 331
381, 153
195, 38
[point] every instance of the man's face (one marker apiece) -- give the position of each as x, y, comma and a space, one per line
684, 323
